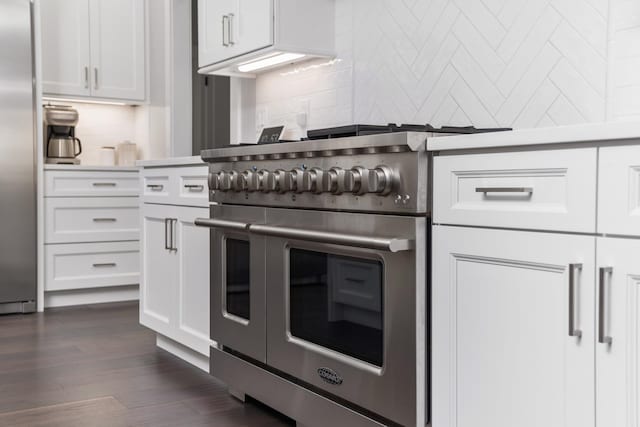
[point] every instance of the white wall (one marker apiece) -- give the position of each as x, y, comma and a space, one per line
517, 63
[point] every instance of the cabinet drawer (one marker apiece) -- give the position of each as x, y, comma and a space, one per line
90, 184
103, 219
181, 186
545, 190
619, 191
91, 265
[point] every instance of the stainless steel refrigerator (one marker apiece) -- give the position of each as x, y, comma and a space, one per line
18, 264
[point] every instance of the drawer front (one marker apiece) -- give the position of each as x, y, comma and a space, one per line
91, 265
181, 186
619, 191
91, 184
544, 190
103, 219
192, 186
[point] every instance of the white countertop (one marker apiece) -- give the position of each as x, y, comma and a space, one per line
90, 168
172, 161
611, 132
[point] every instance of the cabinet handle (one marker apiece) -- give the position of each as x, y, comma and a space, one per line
104, 220
194, 187
86, 77
225, 26
104, 184
230, 30
166, 228
573, 331
485, 190
155, 187
174, 223
602, 305
95, 77
105, 264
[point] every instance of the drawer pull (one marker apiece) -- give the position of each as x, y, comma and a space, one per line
485, 190
105, 264
104, 220
573, 295
194, 187
603, 338
155, 187
104, 184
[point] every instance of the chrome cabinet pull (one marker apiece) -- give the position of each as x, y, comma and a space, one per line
194, 187
166, 233
485, 190
230, 30
225, 31
86, 77
104, 219
155, 187
95, 77
104, 184
223, 224
105, 264
603, 338
174, 224
573, 330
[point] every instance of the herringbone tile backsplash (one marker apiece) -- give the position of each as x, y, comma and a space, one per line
518, 63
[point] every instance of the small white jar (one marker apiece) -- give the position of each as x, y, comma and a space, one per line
107, 156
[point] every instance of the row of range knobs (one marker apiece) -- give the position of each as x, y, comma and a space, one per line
358, 180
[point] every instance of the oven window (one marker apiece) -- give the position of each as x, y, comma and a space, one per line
238, 284
336, 302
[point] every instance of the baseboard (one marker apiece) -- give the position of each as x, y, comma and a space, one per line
185, 353
91, 296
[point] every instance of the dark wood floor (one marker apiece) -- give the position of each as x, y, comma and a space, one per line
95, 366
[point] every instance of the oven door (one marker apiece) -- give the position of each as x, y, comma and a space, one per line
343, 291
238, 318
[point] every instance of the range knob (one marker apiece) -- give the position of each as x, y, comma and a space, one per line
214, 181
275, 181
225, 180
238, 181
293, 180
381, 180
356, 180
257, 180
312, 180
333, 181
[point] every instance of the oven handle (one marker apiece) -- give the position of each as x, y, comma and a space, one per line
377, 243
220, 223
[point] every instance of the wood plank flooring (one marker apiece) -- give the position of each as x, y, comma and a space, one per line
96, 366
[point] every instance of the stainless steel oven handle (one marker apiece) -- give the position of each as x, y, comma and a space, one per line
220, 223
377, 243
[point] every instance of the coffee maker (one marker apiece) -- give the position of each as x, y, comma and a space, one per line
61, 144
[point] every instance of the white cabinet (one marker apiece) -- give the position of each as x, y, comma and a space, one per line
94, 48
66, 60
235, 32
619, 191
618, 323
505, 346
174, 296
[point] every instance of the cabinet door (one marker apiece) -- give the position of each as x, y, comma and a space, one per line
619, 191
117, 49
229, 28
192, 248
65, 47
503, 354
158, 289
618, 346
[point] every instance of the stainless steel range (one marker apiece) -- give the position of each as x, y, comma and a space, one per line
319, 277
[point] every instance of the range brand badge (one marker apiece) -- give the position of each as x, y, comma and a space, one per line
330, 376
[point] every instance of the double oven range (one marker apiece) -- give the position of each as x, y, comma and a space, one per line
319, 289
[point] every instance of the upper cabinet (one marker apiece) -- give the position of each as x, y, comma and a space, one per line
94, 48
244, 37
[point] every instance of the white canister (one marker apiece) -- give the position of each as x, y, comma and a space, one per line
107, 156
127, 154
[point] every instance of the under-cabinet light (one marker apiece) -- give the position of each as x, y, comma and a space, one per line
82, 101
270, 61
